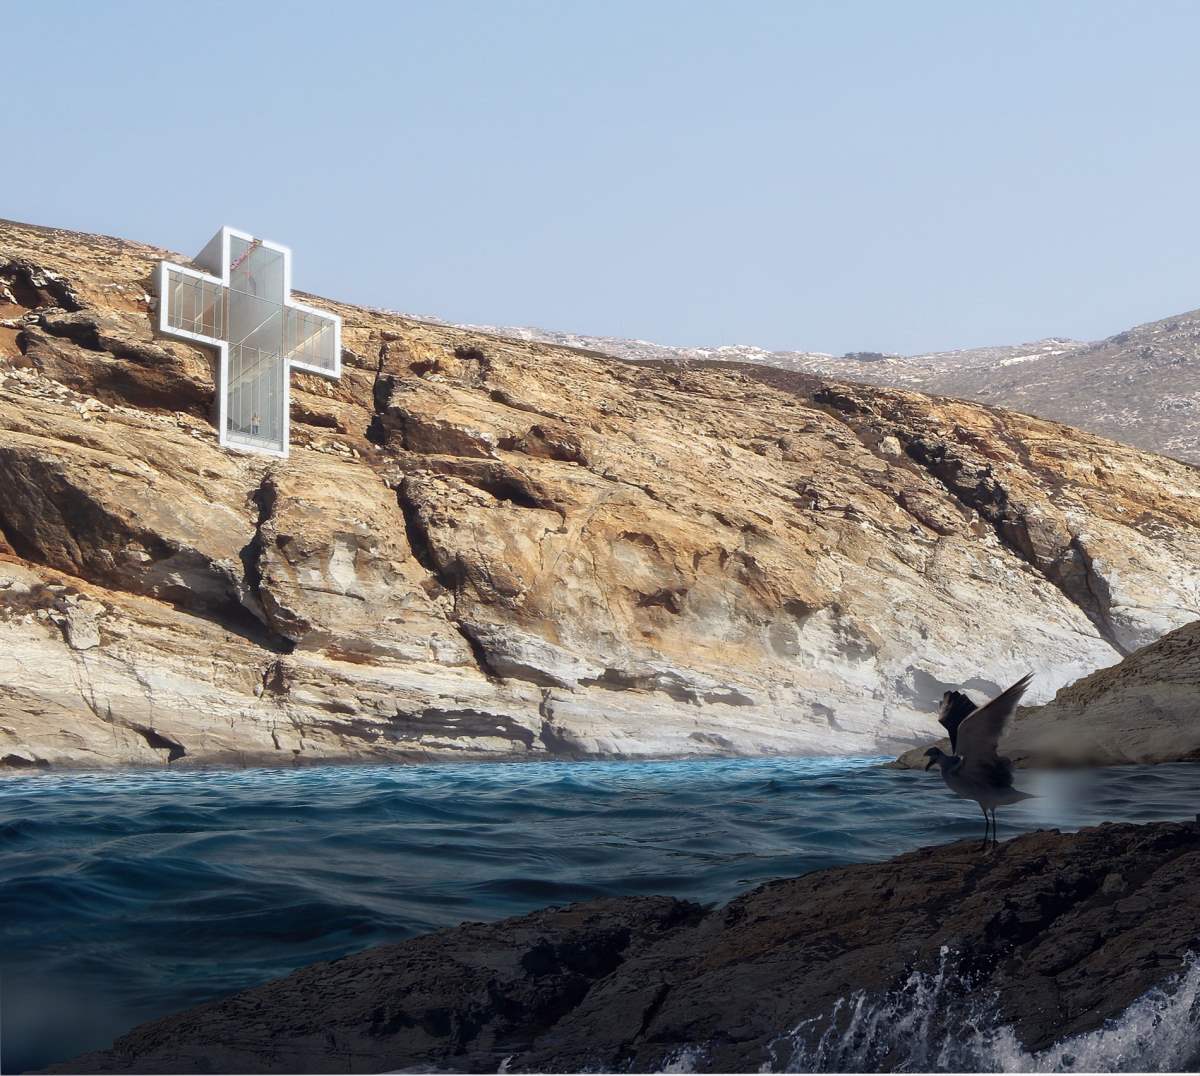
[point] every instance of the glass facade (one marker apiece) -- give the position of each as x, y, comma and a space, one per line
264, 335
257, 360
310, 340
195, 306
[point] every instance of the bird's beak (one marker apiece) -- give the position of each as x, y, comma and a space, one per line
929, 764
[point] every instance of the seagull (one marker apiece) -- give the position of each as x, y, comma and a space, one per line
973, 770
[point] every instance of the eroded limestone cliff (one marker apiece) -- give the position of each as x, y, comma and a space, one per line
482, 546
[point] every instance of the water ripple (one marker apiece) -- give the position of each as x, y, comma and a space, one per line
127, 896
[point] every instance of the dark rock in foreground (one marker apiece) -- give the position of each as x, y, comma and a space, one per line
1066, 930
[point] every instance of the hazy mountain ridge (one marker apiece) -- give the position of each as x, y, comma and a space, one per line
1141, 385
909, 370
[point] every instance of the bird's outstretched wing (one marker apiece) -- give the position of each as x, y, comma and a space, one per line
954, 710
979, 732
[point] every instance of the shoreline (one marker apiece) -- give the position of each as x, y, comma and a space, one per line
219, 869
352, 762
885, 760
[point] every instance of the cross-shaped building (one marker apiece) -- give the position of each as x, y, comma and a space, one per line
242, 305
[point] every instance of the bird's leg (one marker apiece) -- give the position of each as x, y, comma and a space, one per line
995, 839
986, 823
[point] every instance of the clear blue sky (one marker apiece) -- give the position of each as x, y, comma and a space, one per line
829, 176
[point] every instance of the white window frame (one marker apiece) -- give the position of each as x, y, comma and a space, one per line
217, 255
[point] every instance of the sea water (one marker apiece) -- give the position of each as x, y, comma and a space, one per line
128, 896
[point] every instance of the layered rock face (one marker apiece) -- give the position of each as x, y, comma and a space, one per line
1049, 936
1145, 709
482, 547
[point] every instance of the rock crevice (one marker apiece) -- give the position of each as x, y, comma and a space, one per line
1040, 537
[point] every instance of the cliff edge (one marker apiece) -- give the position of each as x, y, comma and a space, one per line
483, 547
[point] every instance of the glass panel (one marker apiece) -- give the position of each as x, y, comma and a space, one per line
194, 305
254, 414
309, 339
257, 363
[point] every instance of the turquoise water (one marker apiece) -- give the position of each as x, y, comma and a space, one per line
129, 896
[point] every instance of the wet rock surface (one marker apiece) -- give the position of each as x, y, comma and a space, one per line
489, 548
1064, 931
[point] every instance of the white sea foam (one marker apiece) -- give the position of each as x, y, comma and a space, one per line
685, 1059
937, 1023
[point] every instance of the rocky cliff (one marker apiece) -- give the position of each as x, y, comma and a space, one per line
939, 960
487, 547
1145, 709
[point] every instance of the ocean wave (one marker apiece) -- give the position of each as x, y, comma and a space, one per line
156, 890
938, 1022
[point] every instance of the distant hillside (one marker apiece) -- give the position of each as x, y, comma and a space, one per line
1141, 386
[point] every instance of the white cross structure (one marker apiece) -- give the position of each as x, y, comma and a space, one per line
242, 305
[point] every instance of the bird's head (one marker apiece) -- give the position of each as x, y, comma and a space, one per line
934, 754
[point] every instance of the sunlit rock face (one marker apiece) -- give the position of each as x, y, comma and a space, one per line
1140, 386
485, 547
1146, 709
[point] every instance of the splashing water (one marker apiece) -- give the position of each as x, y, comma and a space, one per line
685, 1059
935, 1022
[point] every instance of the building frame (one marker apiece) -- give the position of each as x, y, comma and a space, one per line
216, 257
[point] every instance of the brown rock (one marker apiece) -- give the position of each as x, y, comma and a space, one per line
487, 547
1145, 709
